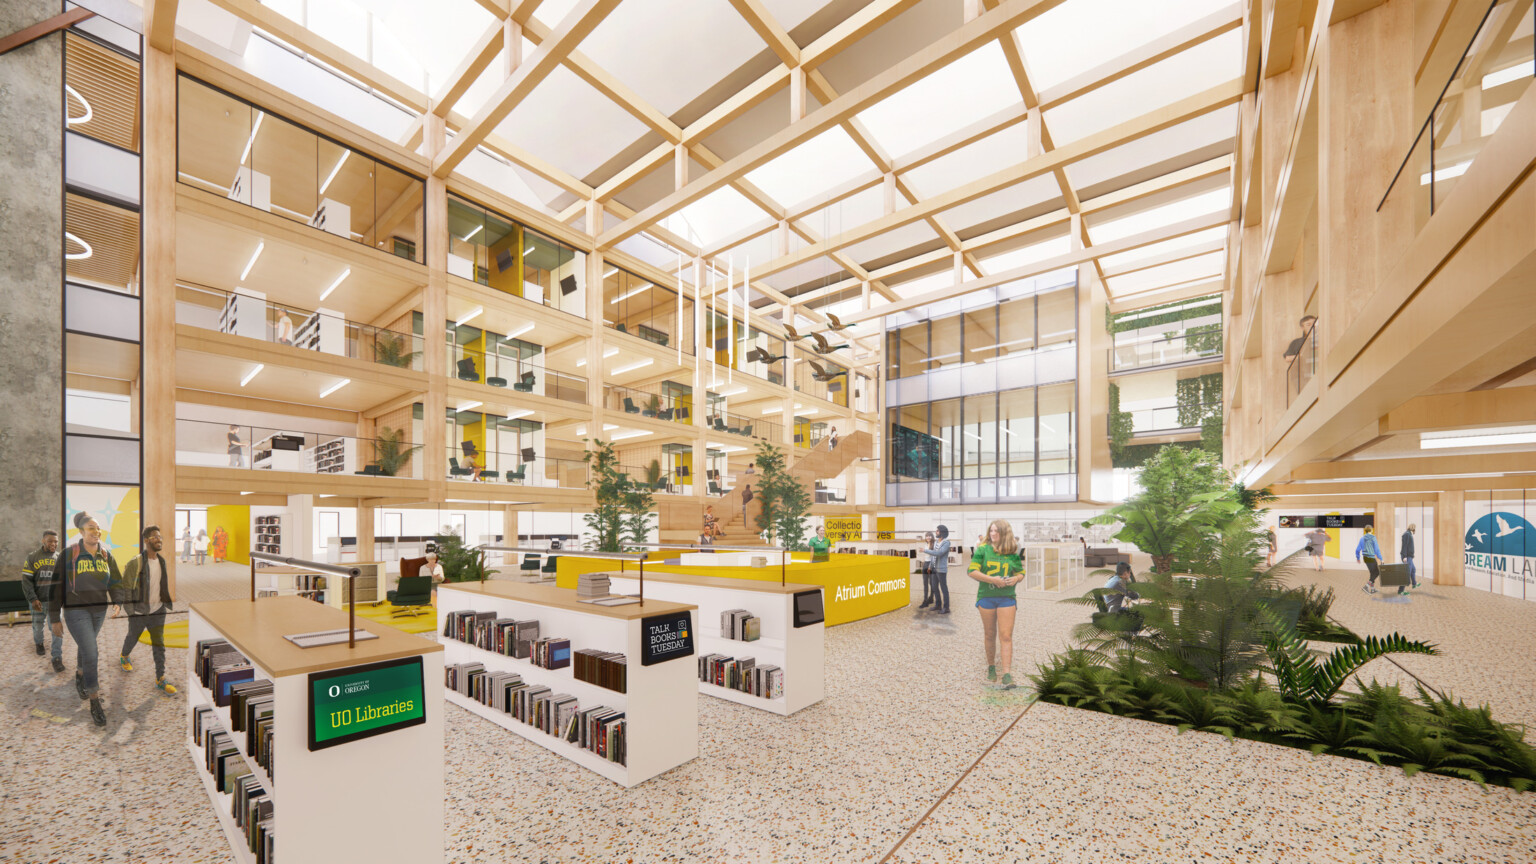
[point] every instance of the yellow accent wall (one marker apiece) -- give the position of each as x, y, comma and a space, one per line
844, 528
509, 280
236, 520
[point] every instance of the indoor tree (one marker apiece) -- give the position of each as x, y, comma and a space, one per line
391, 451
621, 507
783, 500
1185, 495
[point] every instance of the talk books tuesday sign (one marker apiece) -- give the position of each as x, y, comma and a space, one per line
665, 637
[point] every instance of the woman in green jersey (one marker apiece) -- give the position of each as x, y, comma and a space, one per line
820, 545
997, 566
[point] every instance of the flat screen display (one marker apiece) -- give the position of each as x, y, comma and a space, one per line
362, 701
808, 608
914, 454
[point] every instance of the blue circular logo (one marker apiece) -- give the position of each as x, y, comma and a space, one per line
1502, 533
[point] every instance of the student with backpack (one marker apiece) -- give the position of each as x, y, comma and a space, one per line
89, 580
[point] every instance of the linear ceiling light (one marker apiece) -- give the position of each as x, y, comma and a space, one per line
1486, 438
611, 352
767, 411
468, 406
519, 414
638, 364
737, 392
630, 435
252, 374
332, 176
245, 154
260, 245
469, 317
334, 285
478, 229
628, 294
334, 387
809, 412
521, 331
610, 272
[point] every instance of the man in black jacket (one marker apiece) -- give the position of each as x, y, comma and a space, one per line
37, 585
1406, 553
88, 579
146, 597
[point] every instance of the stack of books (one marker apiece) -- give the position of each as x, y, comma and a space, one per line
603, 668
250, 804
743, 675
250, 711
591, 586
220, 667
741, 625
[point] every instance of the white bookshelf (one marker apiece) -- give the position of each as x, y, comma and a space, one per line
331, 802
336, 456
267, 535
799, 651
661, 703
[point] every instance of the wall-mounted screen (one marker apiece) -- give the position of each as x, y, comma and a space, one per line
362, 701
914, 454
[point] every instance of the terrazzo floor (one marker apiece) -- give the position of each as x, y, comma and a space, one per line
912, 757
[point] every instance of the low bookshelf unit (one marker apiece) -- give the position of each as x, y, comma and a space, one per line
543, 656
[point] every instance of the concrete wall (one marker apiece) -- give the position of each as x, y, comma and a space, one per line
31, 281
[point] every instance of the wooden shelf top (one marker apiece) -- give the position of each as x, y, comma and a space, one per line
257, 629
561, 598
718, 582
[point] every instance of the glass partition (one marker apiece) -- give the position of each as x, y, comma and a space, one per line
495, 251
816, 375
648, 310
510, 466
265, 448
478, 356
232, 148
993, 334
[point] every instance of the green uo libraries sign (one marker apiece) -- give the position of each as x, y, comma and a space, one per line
361, 701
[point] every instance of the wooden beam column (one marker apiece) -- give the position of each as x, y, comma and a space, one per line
1450, 529
434, 318
158, 392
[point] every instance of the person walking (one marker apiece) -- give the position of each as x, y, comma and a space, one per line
1370, 552
145, 594
218, 545
88, 577
1406, 553
236, 447
38, 586
186, 544
200, 546
1317, 542
997, 566
938, 568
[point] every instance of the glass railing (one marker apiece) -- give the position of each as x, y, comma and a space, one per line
523, 376
1495, 70
831, 383
256, 318
726, 423
493, 466
644, 403
646, 310
667, 482
1168, 419
1162, 351
1302, 366
234, 149
263, 448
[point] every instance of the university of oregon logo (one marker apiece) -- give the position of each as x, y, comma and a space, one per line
1502, 545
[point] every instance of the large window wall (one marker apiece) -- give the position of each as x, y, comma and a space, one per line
489, 248
647, 310
232, 148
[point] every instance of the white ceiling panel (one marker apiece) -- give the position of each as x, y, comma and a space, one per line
813, 169
891, 242
687, 47
973, 161
1031, 193
1163, 83
1201, 204
1030, 254
1167, 247
1211, 128
850, 212
924, 284
571, 125
1207, 266
970, 89
720, 214
790, 13
1082, 34
822, 268
552, 12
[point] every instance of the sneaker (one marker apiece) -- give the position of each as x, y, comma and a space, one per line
943, 611
1368, 589
925, 605
97, 714
166, 687
80, 685
1007, 681
991, 673
125, 663
39, 647
58, 665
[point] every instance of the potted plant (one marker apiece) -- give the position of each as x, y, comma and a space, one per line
390, 350
391, 451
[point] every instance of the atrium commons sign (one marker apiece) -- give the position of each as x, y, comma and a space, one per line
1502, 545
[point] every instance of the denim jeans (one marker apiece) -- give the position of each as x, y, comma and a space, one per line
39, 624
941, 589
155, 624
84, 626
1413, 573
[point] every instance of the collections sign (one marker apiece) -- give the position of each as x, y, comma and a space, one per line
362, 701
844, 529
665, 637
1500, 546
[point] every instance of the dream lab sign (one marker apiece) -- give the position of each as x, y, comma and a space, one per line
1501, 547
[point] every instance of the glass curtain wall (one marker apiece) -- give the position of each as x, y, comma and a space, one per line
493, 250
229, 147
645, 309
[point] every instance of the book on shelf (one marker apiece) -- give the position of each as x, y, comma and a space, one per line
740, 625
551, 652
600, 730
603, 668
743, 675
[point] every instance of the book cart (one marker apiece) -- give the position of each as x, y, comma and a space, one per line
660, 700
330, 803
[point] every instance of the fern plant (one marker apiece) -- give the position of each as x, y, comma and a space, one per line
1301, 677
390, 450
390, 350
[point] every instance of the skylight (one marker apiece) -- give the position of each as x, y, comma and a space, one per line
1031, 254
972, 88
1207, 266
1192, 207
1123, 260
718, 215
1077, 36
971, 162
812, 169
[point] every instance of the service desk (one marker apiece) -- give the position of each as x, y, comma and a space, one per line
855, 587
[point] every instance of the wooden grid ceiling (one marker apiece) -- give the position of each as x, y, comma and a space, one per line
113, 235
109, 82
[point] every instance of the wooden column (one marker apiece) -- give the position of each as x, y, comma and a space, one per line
365, 530
434, 315
1450, 531
1387, 531
158, 389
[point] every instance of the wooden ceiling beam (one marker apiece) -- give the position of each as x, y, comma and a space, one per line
1506, 406
1186, 37
762, 21
470, 68
1417, 466
160, 24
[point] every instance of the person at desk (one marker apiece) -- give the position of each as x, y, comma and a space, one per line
820, 545
434, 570
473, 466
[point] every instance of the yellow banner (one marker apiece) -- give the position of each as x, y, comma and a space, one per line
842, 529
886, 526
